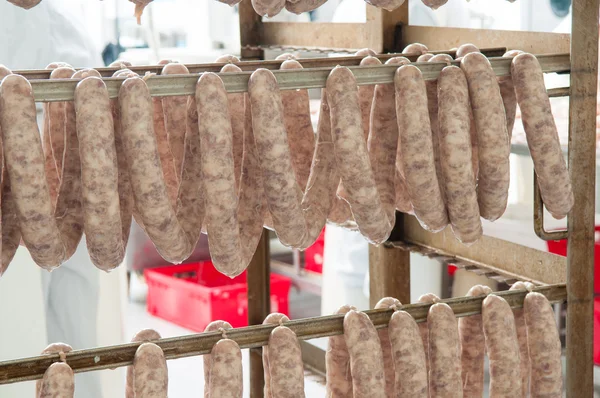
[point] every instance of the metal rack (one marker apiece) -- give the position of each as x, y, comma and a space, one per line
389, 264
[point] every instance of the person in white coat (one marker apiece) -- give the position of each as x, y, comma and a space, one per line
31, 39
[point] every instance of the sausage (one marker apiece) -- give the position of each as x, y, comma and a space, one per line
143, 335
492, 138
272, 319
207, 359
25, 163
428, 298
54, 348
458, 180
444, 353
434, 4
159, 219
226, 375
99, 174
285, 364
352, 157
268, 8
227, 58
472, 343
26, 4
121, 64
522, 338
388, 5
465, 49
383, 142
52, 175
221, 201
300, 6
365, 96
432, 107
410, 361
337, 364
386, 347
544, 347
365, 52
281, 189
286, 57
542, 136
415, 49
502, 347
11, 234
301, 137
58, 382
237, 110
366, 358
509, 98
174, 108
417, 149
150, 373
424, 57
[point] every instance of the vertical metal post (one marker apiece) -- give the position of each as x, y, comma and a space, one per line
582, 167
250, 30
259, 306
389, 269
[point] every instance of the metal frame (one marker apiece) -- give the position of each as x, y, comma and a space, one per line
390, 263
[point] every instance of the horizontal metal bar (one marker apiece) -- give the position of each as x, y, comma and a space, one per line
248, 337
272, 64
47, 90
511, 260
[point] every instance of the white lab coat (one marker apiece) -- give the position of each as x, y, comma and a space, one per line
31, 39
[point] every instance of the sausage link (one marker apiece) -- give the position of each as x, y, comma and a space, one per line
280, 186
337, 364
522, 338
227, 58
237, 110
99, 174
25, 164
386, 347
502, 347
455, 155
415, 49
366, 358
352, 158
365, 52
272, 319
434, 4
54, 348
544, 347
268, 8
145, 335
174, 109
424, 57
159, 219
509, 98
58, 382
383, 143
150, 373
207, 359
366, 96
300, 6
542, 135
408, 354
444, 353
428, 298
301, 137
492, 138
417, 149
226, 374
26, 4
472, 343
465, 49
285, 364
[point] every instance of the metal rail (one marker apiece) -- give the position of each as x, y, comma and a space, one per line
48, 90
248, 337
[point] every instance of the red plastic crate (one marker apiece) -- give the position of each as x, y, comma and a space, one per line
313, 255
193, 295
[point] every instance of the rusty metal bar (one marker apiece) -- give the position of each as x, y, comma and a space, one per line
248, 337
582, 168
538, 217
500, 257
